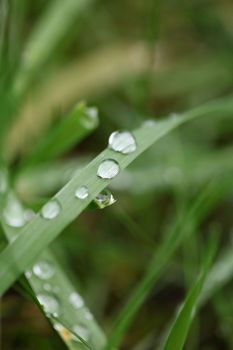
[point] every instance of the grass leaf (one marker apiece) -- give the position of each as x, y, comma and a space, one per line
39, 233
180, 328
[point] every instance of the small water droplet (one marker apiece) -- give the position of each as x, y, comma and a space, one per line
122, 141
90, 118
47, 287
29, 214
82, 192
75, 300
51, 210
88, 315
43, 270
104, 199
28, 274
50, 303
173, 116
14, 213
108, 169
81, 331
149, 123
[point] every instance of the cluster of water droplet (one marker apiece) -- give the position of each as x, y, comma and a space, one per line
52, 305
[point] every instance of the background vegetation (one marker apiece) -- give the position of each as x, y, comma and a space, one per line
134, 61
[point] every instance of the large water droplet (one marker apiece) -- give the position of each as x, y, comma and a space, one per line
104, 199
122, 141
50, 303
82, 192
14, 213
76, 300
43, 270
81, 331
51, 209
108, 169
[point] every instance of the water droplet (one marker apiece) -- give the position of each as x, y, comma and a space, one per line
51, 210
88, 315
75, 300
50, 303
173, 116
104, 199
29, 214
122, 141
14, 213
82, 192
81, 331
108, 169
3, 181
90, 118
43, 270
28, 274
47, 287
150, 123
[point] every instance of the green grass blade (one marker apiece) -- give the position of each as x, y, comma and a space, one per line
39, 233
50, 30
220, 274
58, 285
72, 129
179, 330
201, 206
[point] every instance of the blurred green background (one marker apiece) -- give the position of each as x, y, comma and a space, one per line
134, 60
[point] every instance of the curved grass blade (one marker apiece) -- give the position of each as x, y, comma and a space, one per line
72, 313
220, 274
181, 325
39, 233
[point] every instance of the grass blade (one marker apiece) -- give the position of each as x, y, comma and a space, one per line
39, 233
45, 38
69, 319
180, 328
203, 203
72, 129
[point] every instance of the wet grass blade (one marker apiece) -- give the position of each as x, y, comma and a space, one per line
39, 233
179, 330
72, 317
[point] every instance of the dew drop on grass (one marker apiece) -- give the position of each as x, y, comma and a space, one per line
75, 300
104, 199
82, 192
43, 270
88, 315
51, 210
14, 213
49, 303
90, 118
149, 123
122, 141
108, 169
81, 331
28, 274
